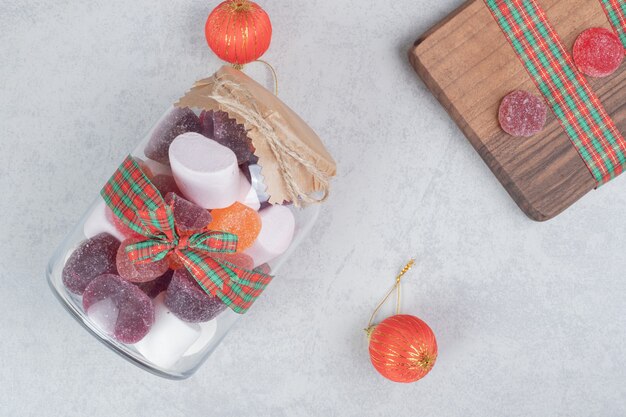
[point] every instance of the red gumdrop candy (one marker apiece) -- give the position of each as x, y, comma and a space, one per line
93, 257
120, 225
229, 133
188, 301
156, 286
239, 259
138, 272
189, 217
165, 184
128, 310
174, 261
177, 122
598, 52
522, 114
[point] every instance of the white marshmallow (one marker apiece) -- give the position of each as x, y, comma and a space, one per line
277, 227
207, 331
247, 194
104, 315
169, 337
98, 222
205, 171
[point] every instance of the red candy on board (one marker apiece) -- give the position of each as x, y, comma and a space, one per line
522, 114
598, 52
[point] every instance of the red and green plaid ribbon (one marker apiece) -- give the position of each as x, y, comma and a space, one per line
580, 112
616, 12
135, 200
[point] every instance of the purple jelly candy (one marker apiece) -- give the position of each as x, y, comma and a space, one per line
229, 133
188, 301
165, 184
177, 122
264, 269
94, 257
245, 170
119, 307
206, 123
138, 272
156, 286
189, 217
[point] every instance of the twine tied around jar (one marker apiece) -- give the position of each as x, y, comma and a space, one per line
284, 154
295, 165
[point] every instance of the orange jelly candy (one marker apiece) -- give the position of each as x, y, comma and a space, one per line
239, 220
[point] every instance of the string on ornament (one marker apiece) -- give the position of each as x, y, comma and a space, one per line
395, 287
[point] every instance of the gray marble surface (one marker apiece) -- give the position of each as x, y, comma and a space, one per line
529, 317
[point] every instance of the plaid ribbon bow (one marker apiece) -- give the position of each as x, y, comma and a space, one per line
136, 201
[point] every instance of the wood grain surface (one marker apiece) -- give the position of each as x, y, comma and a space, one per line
469, 66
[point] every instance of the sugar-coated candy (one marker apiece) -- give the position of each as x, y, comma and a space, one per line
264, 269
104, 314
157, 285
205, 171
598, 52
177, 122
277, 228
93, 257
207, 332
138, 272
247, 194
132, 307
169, 338
174, 261
189, 217
240, 259
185, 298
165, 184
522, 114
121, 227
239, 220
229, 133
206, 123
100, 221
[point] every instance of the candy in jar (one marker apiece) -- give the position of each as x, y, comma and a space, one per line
192, 226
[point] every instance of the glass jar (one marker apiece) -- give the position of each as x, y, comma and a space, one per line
173, 345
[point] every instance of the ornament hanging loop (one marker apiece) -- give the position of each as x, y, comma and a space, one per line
395, 287
239, 67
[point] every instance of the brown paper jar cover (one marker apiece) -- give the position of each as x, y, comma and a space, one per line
294, 161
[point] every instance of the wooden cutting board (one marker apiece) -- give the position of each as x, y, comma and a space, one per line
468, 64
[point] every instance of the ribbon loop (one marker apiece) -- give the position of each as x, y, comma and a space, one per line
138, 204
214, 241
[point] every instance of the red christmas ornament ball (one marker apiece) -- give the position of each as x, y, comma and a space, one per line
238, 31
403, 348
